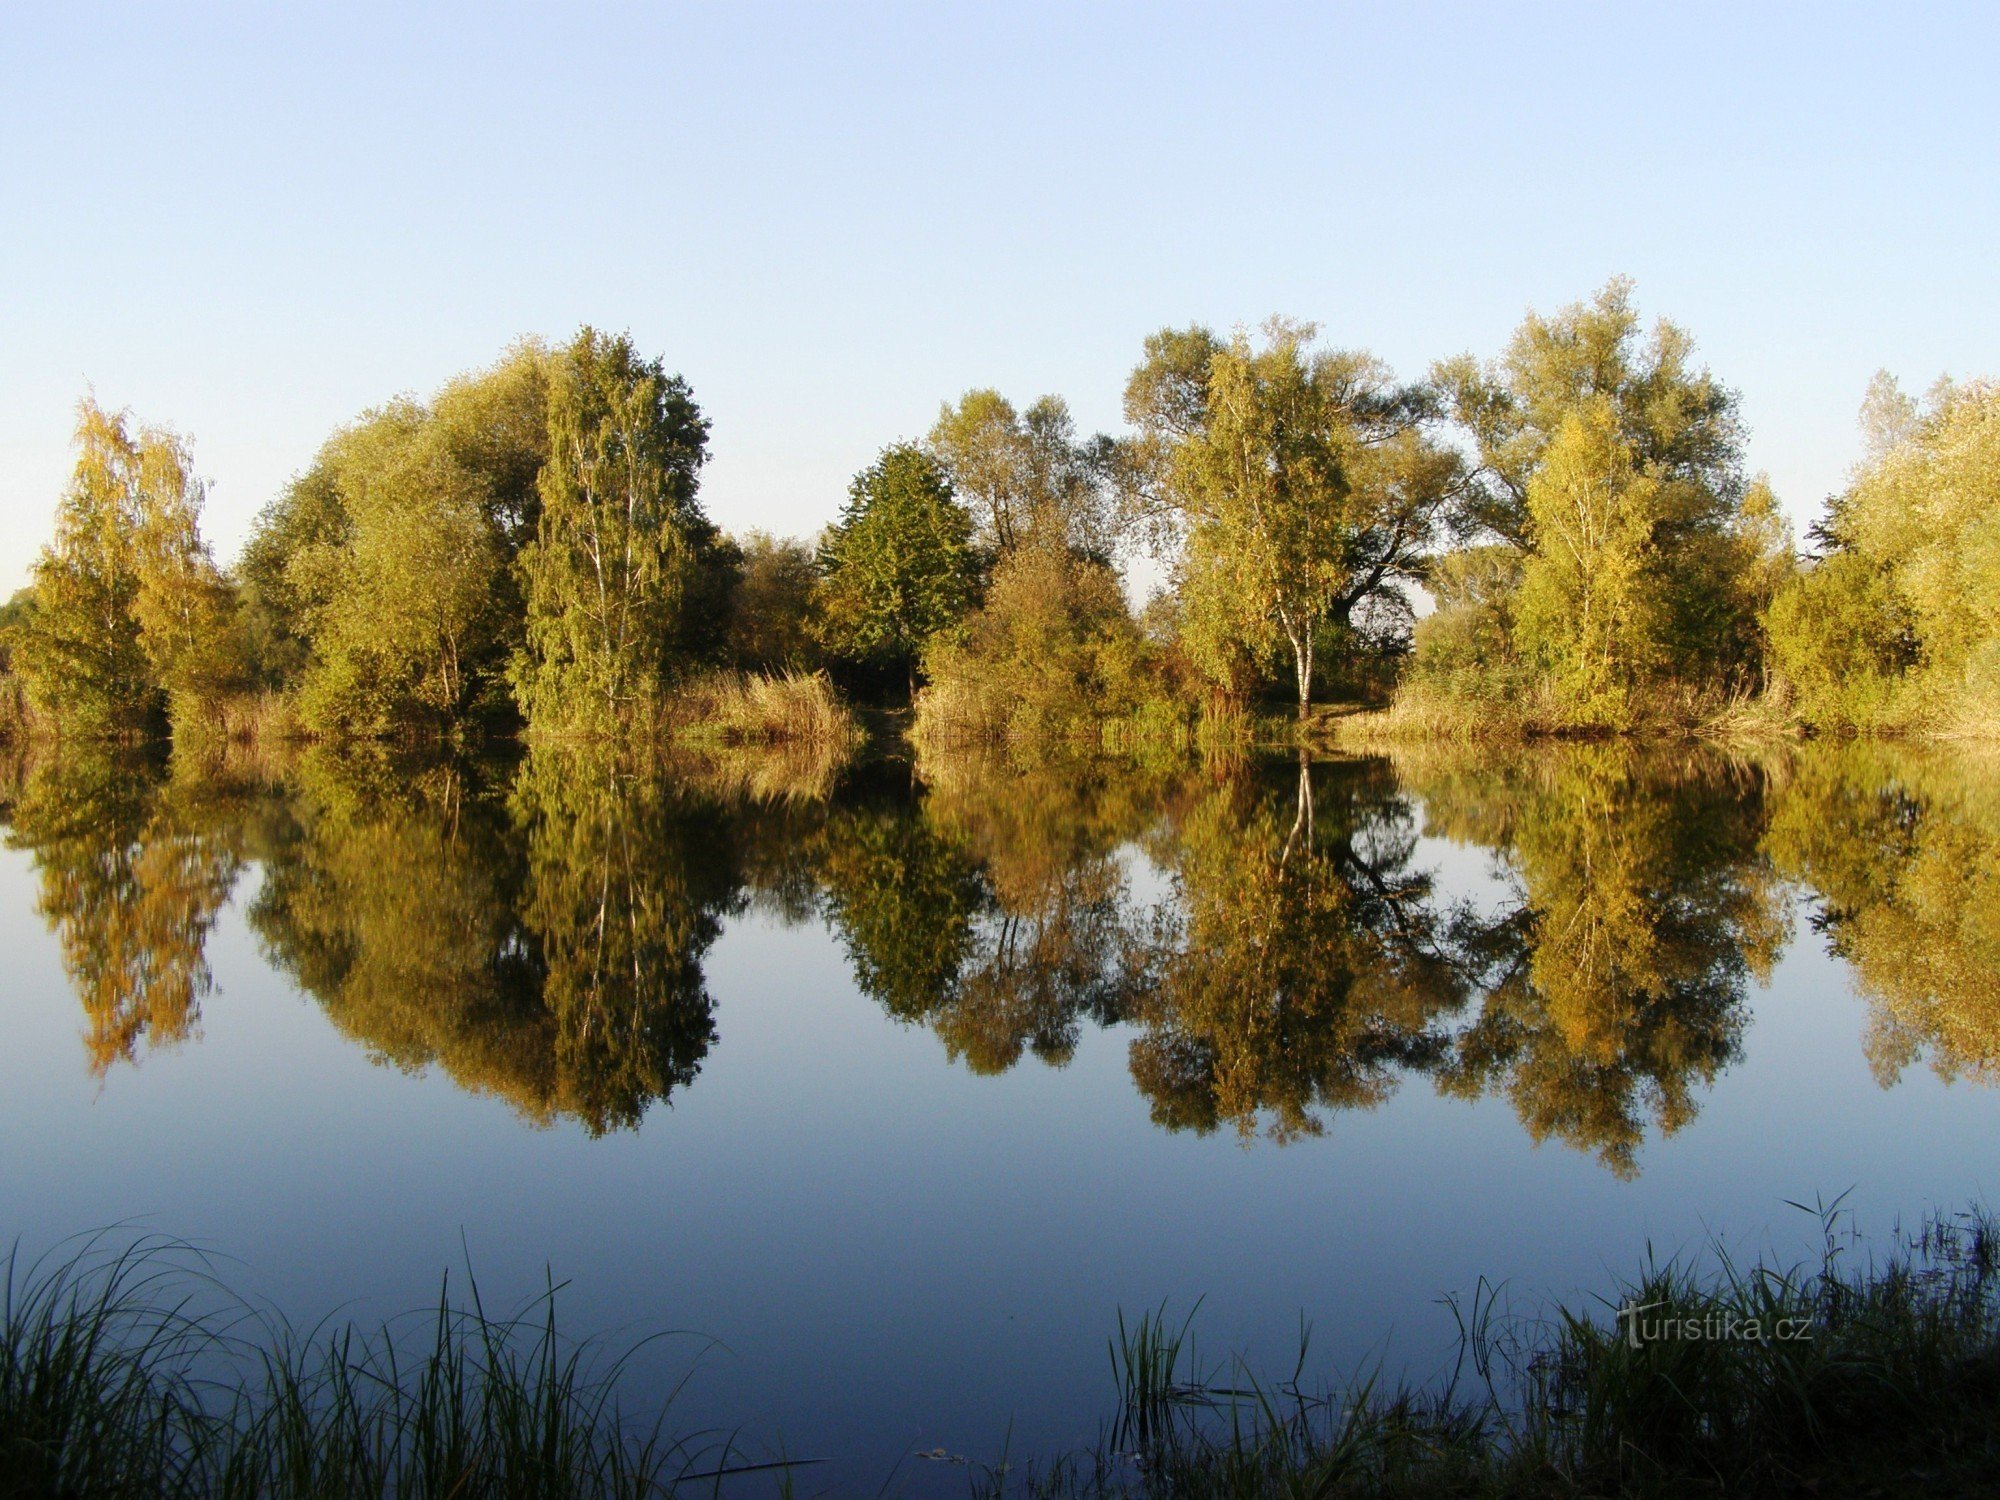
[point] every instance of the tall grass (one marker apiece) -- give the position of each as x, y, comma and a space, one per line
126, 1371
788, 771
1818, 1378
1153, 1382
959, 711
1517, 709
734, 708
261, 718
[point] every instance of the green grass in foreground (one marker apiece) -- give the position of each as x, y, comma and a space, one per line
1835, 1378
1849, 1376
126, 1370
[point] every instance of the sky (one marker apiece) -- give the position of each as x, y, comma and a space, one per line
253, 223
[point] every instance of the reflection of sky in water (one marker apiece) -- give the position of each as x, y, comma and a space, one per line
898, 1254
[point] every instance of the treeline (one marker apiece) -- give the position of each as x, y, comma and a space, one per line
1564, 538
526, 549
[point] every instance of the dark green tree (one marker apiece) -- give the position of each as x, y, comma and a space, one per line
899, 566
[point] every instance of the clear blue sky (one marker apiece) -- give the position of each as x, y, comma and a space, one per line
253, 223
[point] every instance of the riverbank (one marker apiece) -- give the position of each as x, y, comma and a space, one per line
717, 709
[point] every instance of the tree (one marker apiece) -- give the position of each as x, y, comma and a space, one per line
1614, 466
1051, 654
185, 609
1591, 609
405, 615
899, 565
614, 579
288, 572
774, 606
130, 608
1899, 622
1025, 474
1298, 482
381, 584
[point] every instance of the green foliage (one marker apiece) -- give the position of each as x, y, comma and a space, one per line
1465, 645
774, 618
1299, 481
131, 614
15, 617
379, 585
1899, 625
1679, 422
290, 568
1591, 612
623, 578
1051, 657
128, 1373
1841, 636
1613, 467
527, 541
1024, 474
898, 566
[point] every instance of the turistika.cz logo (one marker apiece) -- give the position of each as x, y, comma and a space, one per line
1718, 1326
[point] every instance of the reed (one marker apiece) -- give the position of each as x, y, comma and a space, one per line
1878, 1377
734, 708
125, 1370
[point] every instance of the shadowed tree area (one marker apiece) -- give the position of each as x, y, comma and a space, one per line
901, 898
625, 886
1049, 942
543, 944
390, 896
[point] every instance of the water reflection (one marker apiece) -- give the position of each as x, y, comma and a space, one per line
134, 867
1612, 987
996, 909
1903, 850
1274, 935
1300, 962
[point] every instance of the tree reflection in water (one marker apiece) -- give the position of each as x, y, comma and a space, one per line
1902, 848
1273, 934
136, 859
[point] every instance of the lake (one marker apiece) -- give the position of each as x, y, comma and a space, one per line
891, 1084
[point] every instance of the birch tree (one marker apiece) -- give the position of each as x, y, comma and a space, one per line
613, 577
1292, 483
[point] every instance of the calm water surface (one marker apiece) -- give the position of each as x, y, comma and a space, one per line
899, 1083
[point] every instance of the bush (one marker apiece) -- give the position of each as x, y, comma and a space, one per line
1052, 657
